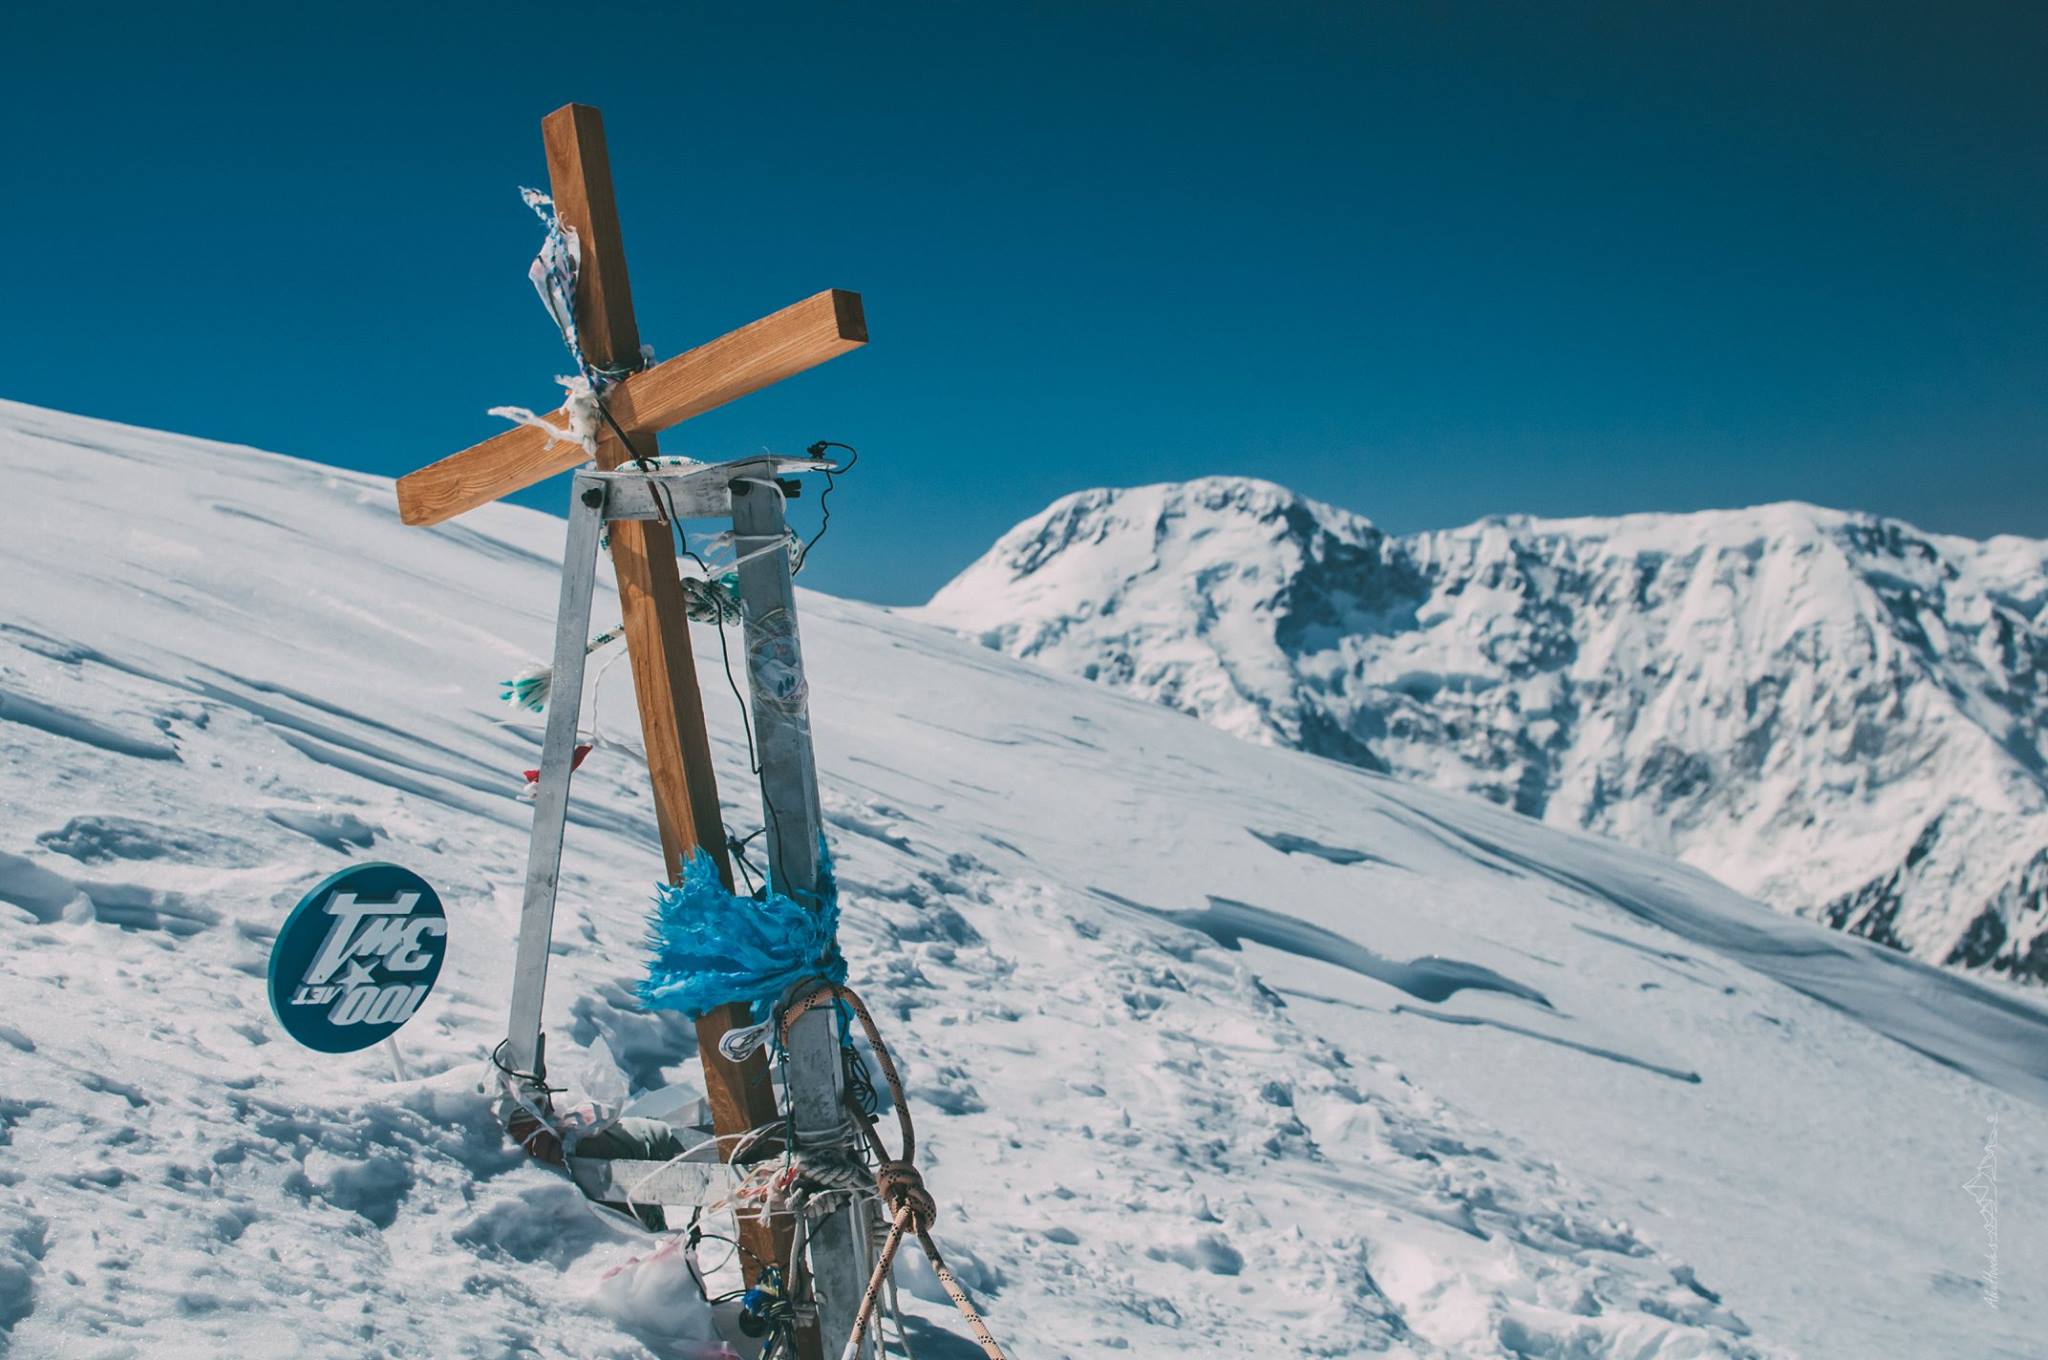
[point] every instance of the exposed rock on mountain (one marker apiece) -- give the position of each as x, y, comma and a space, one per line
1833, 712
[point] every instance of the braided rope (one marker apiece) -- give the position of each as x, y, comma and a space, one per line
898, 1182
834, 1174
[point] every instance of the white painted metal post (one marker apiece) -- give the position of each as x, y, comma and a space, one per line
789, 794
558, 750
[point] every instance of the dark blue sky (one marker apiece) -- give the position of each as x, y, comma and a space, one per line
1426, 261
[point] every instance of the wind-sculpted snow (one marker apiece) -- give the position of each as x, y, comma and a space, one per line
1609, 1054
1834, 713
1230, 924
20, 708
1637, 1116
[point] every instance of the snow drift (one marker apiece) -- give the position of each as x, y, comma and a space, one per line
1218, 1049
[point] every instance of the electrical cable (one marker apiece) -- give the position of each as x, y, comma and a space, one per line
817, 450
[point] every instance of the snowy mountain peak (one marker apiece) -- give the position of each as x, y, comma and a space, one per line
1245, 510
1833, 711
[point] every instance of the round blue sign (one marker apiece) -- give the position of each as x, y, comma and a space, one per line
356, 957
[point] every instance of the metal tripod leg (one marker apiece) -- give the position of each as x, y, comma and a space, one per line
551, 800
789, 796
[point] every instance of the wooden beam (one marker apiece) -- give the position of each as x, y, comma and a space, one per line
484, 472
580, 175
657, 630
643, 552
780, 345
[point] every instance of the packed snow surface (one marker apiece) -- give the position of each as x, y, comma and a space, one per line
1835, 713
1218, 1050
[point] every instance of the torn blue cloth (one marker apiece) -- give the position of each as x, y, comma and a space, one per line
709, 946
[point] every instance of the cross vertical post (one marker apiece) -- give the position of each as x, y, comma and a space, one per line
741, 1096
643, 552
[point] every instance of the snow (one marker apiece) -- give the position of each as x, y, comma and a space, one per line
1835, 713
1215, 1048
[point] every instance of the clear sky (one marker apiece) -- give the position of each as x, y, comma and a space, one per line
1427, 261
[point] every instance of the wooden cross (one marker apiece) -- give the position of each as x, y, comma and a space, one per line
778, 346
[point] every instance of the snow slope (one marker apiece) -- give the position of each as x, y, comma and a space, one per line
1217, 1049
1835, 713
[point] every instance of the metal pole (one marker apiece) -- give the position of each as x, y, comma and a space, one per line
558, 749
789, 796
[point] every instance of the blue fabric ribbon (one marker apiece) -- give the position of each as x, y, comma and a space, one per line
709, 946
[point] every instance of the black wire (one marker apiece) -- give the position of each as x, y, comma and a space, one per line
788, 1092
860, 1085
736, 846
510, 1071
824, 497
667, 492
664, 492
690, 1252
739, 862
644, 464
739, 1248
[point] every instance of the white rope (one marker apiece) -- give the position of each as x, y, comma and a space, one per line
770, 483
597, 693
896, 1311
521, 415
579, 403
742, 1041
745, 1141
834, 1174
633, 1203
785, 541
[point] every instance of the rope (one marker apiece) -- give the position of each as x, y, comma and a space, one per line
709, 599
742, 1141
530, 688
829, 1173
898, 1182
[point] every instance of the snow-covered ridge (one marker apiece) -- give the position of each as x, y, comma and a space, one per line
1833, 712
1217, 1049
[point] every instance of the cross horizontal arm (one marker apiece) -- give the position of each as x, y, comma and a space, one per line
780, 345
800, 336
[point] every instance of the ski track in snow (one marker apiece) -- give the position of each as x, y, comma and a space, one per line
1638, 1116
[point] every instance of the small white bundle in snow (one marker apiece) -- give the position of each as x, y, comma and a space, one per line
655, 1296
